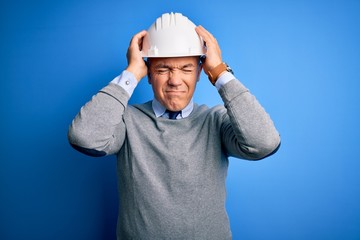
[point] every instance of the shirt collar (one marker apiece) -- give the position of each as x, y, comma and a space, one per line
159, 109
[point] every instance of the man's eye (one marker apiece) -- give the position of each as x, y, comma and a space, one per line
162, 71
187, 70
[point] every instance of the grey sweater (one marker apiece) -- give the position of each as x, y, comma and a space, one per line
171, 173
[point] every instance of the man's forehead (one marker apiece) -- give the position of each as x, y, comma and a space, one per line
174, 61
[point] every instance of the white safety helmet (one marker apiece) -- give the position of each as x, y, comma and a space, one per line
172, 35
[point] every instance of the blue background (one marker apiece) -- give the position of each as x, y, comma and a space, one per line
300, 58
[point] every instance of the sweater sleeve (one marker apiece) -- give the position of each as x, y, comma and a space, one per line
98, 129
247, 130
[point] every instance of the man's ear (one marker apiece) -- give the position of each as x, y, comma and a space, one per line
199, 72
149, 76
147, 62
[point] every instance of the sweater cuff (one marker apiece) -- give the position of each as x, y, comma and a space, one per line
232, 89
117, 92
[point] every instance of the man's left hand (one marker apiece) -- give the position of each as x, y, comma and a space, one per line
213, 52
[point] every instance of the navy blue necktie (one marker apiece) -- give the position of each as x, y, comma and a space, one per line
173, 115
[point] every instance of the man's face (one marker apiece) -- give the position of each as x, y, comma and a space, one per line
174, 80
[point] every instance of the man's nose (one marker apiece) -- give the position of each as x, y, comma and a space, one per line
175, 78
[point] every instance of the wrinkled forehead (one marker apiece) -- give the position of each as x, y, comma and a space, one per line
174, 61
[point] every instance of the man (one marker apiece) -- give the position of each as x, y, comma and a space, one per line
172, 154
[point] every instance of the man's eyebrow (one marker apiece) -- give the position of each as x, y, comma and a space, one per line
164, 65
188, 65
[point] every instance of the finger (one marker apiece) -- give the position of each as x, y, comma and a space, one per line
209, 40
205, 34
137, 39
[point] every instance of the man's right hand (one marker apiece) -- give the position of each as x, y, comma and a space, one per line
136, 64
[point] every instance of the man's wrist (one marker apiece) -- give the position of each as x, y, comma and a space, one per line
217, 71
135, 73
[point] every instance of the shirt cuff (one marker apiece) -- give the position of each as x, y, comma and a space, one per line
127, 81
223, 79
